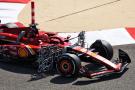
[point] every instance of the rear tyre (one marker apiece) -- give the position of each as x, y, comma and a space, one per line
103, 48
68, 65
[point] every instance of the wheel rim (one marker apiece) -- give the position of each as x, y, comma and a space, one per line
66, 67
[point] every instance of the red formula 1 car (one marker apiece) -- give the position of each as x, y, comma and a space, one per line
50, 50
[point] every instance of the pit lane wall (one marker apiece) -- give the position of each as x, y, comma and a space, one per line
119, 36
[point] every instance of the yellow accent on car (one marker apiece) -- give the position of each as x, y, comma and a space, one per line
22, 52
30, 50
93, 54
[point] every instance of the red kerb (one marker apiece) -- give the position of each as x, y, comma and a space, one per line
131, 31
15, 1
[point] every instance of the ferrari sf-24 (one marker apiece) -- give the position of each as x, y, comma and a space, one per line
48, 50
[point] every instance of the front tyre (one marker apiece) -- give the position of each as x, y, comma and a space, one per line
103, 48
69, 65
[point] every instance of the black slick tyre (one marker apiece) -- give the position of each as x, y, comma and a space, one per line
68, 65
103, 48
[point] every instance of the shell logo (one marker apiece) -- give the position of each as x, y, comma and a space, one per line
22, 52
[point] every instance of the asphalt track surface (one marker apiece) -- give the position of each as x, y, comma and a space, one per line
16, 77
